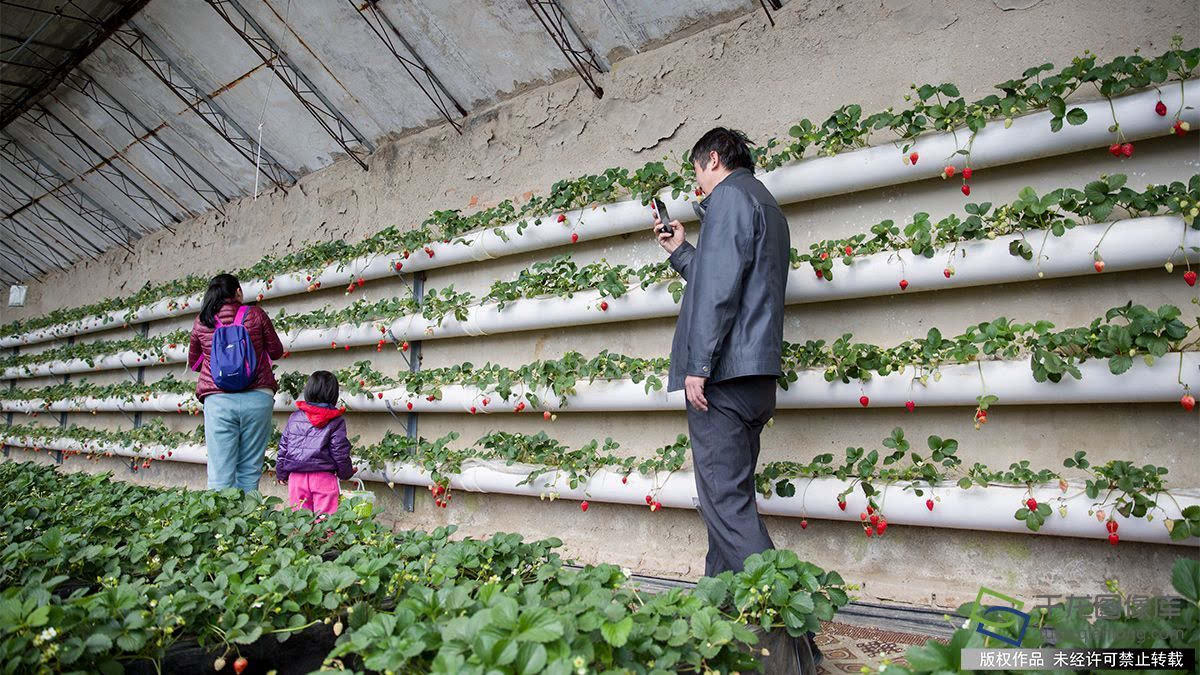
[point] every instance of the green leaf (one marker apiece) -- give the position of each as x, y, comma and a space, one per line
617, 634
1076, 116
1185, 577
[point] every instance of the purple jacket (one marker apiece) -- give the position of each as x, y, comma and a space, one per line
314, 439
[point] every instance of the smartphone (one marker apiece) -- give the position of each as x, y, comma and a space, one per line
663, 216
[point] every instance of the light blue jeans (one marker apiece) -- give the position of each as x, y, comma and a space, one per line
237, 428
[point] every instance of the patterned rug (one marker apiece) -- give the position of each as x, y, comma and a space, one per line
848, 648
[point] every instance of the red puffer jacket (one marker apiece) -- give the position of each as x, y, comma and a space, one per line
262, 336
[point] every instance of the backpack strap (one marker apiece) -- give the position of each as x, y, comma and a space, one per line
241, 315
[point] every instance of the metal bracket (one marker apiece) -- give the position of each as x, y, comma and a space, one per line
558, 24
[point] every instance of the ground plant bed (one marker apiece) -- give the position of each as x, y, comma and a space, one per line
102, 576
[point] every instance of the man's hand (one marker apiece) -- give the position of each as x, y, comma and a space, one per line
693, 386
669, 242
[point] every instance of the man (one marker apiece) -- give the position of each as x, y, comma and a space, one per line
728, 341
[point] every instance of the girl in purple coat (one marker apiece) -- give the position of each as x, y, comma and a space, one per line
314, 451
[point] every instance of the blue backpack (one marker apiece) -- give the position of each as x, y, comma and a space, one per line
233, 360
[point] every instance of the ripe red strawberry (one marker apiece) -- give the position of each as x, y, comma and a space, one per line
362, 383
903, 284
240, 664
874, 518
849, 250
361, 281
649, 499
862, 516
624, 479
333, 344
1115, 149
1180, 128
870, 509
347, 347
546, 415
804, 524
929, 504
913, 158
574, 237
520, 406
869, 531
1113, 538
1111, 526
260, 297
1188, 402
1161, 109
655, 506
1099, 265
1127, 149
967, 173
308, 278
404, 346
486, 401
842, 505
824, 255
1189, 277
863, 400
562, 218
431, 398
909, 405
379, 395
406, 253
948, 272
881, 526
399, 266
948, 172
583, 506
410, 405
1031, 503
819, 274
472, 410
603, 305
379, 346
699, 192
966, 189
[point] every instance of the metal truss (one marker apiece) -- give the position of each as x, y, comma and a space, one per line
100, 30
767, 6
52, 181
186, 89
81, 82
51, 255
556, 22
420, 73
106, 167
322, 110
51, 222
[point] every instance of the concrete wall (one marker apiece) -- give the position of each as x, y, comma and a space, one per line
745, 74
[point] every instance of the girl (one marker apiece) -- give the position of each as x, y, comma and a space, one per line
237, 424
314, 451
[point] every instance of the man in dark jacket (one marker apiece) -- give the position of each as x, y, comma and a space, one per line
728, 344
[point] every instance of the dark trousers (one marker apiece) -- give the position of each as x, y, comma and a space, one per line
725, 445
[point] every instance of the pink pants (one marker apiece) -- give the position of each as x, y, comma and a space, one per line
316, 491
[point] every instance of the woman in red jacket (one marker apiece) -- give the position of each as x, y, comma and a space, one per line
237, 425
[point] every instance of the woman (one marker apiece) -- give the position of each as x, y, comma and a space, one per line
237, 425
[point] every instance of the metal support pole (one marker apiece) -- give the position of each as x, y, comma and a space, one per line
62, 417
141, 378
409, 494
12, 386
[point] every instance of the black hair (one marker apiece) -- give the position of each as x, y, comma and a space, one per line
731, 146
221, 289
322, 387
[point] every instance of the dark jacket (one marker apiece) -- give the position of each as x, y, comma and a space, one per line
314, 439
262, 336
731, 318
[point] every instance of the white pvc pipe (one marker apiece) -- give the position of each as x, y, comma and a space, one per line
1029, 138
980, 509
959, 385
1137, 243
